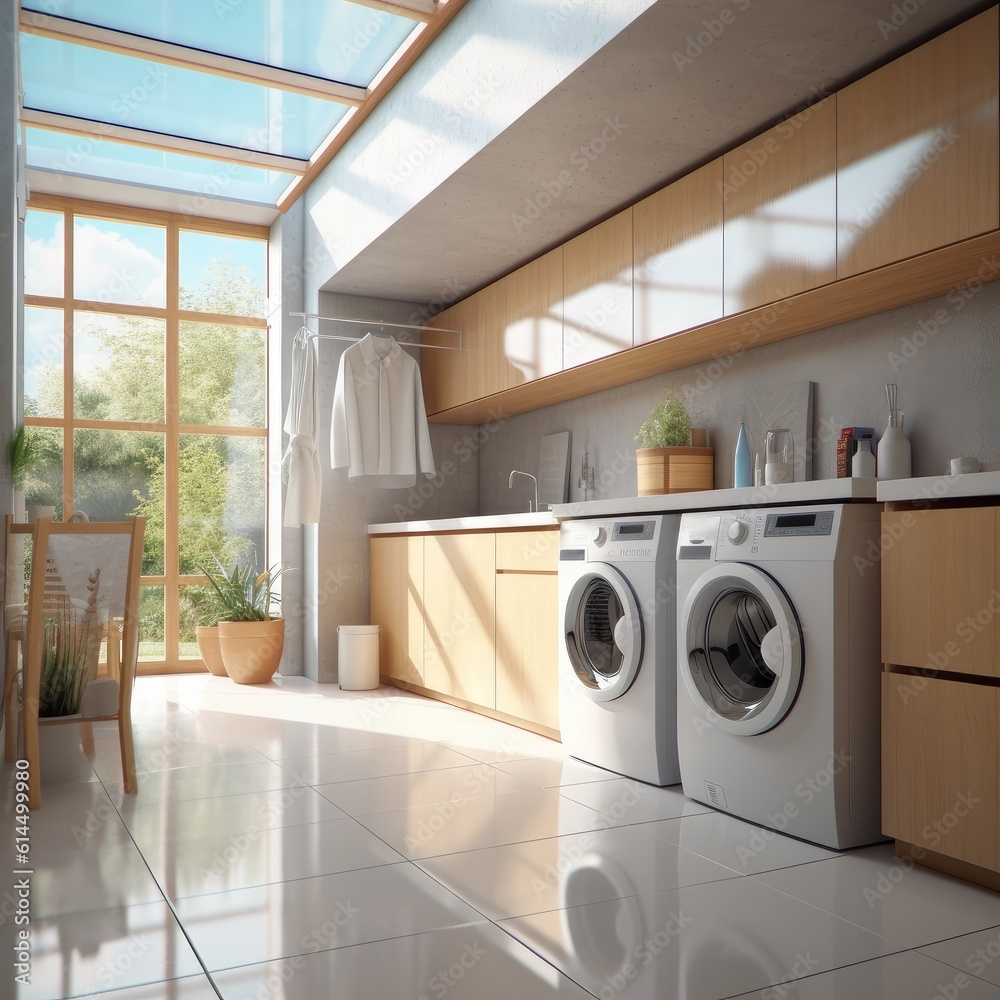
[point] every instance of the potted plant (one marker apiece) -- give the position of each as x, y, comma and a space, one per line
22, 454
250, 637
207, 636
669, 461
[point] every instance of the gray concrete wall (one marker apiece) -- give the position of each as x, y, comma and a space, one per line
286, 294
495, 61
339, 590
10, 249
943, 355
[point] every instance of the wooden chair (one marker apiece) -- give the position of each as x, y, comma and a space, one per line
13, 622
79, 570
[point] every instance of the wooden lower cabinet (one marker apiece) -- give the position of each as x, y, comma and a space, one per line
396, 605
526, 635
940, 766
471, 618
459, 616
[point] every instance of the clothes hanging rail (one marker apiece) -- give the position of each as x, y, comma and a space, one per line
379, 323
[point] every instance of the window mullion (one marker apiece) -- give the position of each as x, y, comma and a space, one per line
171, 527
69, 438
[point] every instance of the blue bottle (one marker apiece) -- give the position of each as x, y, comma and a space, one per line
742, 460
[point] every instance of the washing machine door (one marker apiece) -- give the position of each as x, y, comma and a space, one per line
602, 632
744, 649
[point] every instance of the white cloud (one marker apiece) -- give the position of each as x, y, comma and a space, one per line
43, 263
111, 268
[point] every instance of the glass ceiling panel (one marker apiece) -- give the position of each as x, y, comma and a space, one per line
338, 40
118, 161
90, 83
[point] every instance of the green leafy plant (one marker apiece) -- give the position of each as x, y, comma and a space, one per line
243, 594
667, 426
22, 453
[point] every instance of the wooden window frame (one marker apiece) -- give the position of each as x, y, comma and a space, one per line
172, 315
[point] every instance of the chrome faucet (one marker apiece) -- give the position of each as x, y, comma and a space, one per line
510, 485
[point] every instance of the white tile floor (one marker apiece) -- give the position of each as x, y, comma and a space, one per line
297, 841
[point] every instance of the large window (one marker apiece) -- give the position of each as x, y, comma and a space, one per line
145, 391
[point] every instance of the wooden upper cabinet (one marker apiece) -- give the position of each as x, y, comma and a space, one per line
597, 289
940, 589
534, 319
917, 150
780, 210
451, 378
678, 255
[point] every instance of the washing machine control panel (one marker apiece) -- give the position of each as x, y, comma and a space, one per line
633, 531
780, 525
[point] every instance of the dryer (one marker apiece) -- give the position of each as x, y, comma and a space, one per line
778, 668
617, 683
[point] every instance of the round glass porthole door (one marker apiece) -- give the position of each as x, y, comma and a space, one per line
744, 649
603, 633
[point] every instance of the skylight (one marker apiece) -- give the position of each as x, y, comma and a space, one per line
241, 100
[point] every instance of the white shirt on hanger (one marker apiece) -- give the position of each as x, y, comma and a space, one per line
379, 420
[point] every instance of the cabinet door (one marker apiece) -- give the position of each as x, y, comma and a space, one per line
530, 551
597, 285
917, 150
460, 612
451, 378
527, 657
533, 318
940, 593
780, 206
678, 255
939, 766
396, 598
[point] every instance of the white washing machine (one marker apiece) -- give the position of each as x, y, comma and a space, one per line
778, 668
617, 682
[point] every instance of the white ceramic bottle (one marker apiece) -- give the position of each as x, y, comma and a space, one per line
863, 463
894, 448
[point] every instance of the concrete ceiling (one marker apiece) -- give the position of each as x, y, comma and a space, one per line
664, 96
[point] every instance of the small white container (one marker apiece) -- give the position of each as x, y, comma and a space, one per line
863, 463
357, 657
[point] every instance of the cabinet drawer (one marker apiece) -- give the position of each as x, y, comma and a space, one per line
940, 589
528, 551
939, 766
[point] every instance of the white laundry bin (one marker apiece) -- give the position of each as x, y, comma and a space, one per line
357, 657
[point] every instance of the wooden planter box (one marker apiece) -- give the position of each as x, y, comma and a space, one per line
674, 470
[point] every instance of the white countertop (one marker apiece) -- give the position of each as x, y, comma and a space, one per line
482, 522
975, 484
815, 491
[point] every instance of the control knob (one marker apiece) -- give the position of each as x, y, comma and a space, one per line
599, 536
737, 532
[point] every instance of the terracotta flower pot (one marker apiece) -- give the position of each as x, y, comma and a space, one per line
251, 651
208, 646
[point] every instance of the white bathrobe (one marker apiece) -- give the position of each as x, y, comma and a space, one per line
300, 464
379, 421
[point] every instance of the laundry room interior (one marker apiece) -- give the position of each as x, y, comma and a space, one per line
501, 500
